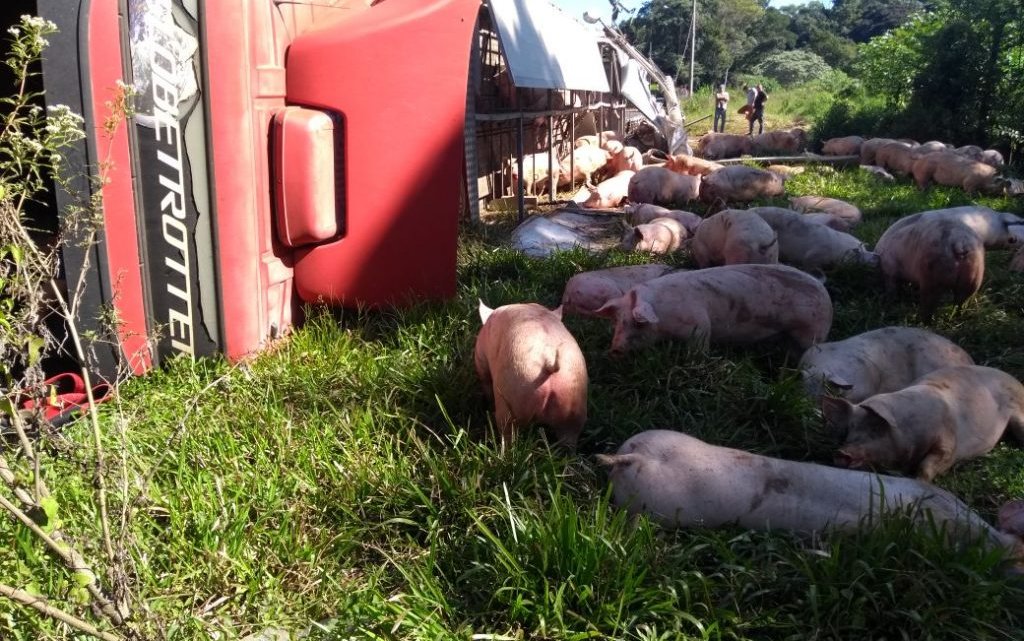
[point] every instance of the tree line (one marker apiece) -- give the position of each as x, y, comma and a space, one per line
949, 69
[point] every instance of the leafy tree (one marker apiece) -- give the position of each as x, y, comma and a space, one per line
890, 64
793, 67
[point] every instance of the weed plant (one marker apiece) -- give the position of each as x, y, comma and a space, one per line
351, 477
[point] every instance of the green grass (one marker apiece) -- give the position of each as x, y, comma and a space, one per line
352, 474
787, 107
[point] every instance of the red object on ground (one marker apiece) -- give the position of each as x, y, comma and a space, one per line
396, 73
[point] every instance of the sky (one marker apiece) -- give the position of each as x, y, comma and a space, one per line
602, 8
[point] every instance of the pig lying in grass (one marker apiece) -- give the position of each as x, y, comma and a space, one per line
661, 186
845, 146
938, 255
587, 292
533, 370
848, 215
954, 170
809, 245
870, 147
733, 237
948, 415
736, 303
714, 146
878, 361
739, 183
896, 157
680, 481
646, 212
660, 236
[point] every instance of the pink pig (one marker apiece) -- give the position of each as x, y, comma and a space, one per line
533, 370
610, 192
732, 304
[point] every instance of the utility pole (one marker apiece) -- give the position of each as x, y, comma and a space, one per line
693, 44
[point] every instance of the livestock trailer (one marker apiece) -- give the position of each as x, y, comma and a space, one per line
279, 152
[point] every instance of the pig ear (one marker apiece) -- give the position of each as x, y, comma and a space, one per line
838, 382
837, 411
485, 312
880, 417
557, 312
643, 313
609, 309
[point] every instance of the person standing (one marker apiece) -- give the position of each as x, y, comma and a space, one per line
760, 97
721, 104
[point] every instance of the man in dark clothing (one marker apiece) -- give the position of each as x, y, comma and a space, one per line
759, 99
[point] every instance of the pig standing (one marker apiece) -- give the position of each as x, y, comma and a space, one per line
535, 170
681, 481
661, 186
732, 237
581, 164
937, 255
736, 303
738, 183
809, 245
622, 158
878, 361
646, 212
587, 292
948, 415
849, 215
660, 236
845, 146
996, 229
610, 192
533, 370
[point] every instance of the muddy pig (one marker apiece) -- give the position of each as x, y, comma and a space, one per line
587, 292
948, 415
646, 212
878, 361
939, 256
660, 236
732, 304
661, 186
681, 481
533, 370
739, 183
812, 246
733, 237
